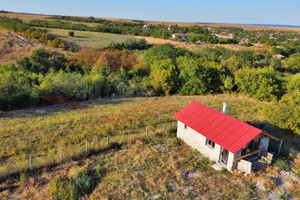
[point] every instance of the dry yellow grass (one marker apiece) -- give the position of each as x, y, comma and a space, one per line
191, 46
13, 47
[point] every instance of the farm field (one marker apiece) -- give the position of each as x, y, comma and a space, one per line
86, 39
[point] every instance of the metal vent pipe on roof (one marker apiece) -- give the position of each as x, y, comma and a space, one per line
224, 108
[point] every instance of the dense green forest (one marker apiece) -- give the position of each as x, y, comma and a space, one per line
166, 71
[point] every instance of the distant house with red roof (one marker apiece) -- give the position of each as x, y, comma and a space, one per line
227, 141
225, 35
170, 28
179, 36
244, 41
114, 24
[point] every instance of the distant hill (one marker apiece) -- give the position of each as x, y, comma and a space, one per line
29, 16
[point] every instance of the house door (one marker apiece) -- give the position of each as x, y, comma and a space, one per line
224, 156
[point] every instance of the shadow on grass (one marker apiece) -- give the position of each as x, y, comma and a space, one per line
291, 141
53, 108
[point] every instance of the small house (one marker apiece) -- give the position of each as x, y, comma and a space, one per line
279, 56
179, 36
229, 142
114, 24
146, 26
244, 41
224, 35
170, 28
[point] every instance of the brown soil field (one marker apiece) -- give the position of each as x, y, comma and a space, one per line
28, 16
13, 47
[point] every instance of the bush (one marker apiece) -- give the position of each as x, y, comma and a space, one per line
71, 33
100, 172
281, 164
82, 184
60, 188
224, 171
130, 44
261, 84
286, 113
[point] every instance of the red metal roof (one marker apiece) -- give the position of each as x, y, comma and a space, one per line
226, 131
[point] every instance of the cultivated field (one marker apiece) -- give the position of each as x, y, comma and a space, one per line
86, 39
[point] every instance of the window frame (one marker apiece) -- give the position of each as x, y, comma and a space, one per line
210, 143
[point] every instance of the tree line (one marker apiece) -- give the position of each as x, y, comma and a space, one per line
164, 70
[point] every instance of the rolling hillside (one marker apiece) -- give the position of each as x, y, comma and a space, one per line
145, 164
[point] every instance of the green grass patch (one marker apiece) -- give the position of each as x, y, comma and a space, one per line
86, 39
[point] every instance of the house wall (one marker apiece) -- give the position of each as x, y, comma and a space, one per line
197, 141
264, 143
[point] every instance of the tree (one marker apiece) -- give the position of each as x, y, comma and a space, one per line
293, 63
294, 83
286, 113
160, 52
39, 60
234, 63
229, 84
197, 77
261, 84
14, 89
163, 76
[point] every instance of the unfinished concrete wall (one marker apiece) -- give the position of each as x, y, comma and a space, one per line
245, 166
236, 155
197, 141
264, 143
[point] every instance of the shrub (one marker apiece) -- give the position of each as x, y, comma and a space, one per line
284, 196
261, 84
286, 113
281, 164
224, 171
60, 188
71, 33
82, 184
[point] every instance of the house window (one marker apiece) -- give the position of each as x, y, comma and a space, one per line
185, 126
210, 143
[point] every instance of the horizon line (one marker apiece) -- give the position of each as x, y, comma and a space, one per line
219, 23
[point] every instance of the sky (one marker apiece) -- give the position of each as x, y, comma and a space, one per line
284, 12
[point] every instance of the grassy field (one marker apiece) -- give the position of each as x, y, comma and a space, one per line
157, 166
86, 39
43, 132
138, 166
